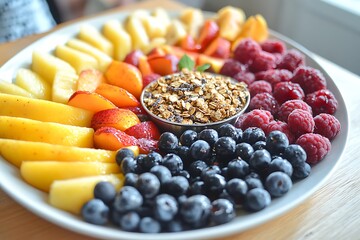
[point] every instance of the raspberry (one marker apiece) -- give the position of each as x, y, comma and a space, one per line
284, 91
264, 101
255, 118
327, 125
287, 107
291, 60
274, 76
281, 126
149, 78
260, 86
322, 101
273, 46
310, 79
246, 51
263, 61
246, 77
231, 67
300, 122
315, 146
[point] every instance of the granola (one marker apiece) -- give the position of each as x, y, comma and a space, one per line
195, 97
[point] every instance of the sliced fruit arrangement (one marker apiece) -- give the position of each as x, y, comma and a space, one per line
74, 125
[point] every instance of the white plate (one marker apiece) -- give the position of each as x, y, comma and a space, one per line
36, 201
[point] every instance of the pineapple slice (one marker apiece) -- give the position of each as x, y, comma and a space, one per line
10, 88
42, 110
193, 19
79, 60
162, 16
114, 31
103, 60
92, 36
65, 84
48, 132
42, 174
33, 83
46, 65
154, 27
175, 32
138, 34
71, 194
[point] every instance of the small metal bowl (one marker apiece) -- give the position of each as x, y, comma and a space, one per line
179, 128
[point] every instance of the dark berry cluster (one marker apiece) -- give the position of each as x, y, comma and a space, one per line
198, 180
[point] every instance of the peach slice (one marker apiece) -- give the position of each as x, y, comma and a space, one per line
117, 95
126, 76
118, 118
156, 52
89, 80
188, 43
144, 66
219, 47
208, 33
90, 101
215, 63
164, 65
110, 138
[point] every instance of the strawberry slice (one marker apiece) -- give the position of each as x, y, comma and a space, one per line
147, 145
146, 129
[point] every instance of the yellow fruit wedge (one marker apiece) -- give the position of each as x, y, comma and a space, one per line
47, 132
65, 84
193, 19
103, 60
46, 65
138, 34
92, 36
77, 59
114, 31
153, 26
175, 32
33, 83
71, 194
10, 88
16, 151
161, 15
42, 174
230, 20
43, 110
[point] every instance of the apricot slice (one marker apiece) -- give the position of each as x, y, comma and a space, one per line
110, 138
215, 63
117, 95
208, 33
126, 76
164, 65
89, 80
144, 66
219, 47
90, 101
118, 118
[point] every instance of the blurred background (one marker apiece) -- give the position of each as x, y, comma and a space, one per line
329, 28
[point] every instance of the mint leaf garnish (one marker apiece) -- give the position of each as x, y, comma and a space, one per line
204, 67
186, 62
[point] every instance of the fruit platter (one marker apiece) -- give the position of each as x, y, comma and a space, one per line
154, 124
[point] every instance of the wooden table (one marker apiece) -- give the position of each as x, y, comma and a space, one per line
333, 212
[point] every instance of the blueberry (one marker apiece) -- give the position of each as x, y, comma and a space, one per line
215, 184
173, 162
225, 147
252, 135
148, 185
196, 168
127, 199
278, 183
209, 135
301, 171
184, 153
168, 142
226, 195
129, 221
239, 135
149, 225
222, 211
184, 173
236, 188
244, 151
105, 191
165, 207
276, 142
260, 160
162, 173
238, 168
152, 159
181, 199
282, 165
253, 183
257, 199
228, 130
210, 170
225, 172
128, 165
131, 179
95, 211
259, 145
295, 154
197, 187
139, 162
188, 137
176, 186
174, 226
122, 153
196, 211
200, 150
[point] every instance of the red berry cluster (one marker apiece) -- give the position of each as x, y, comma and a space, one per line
286, 95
